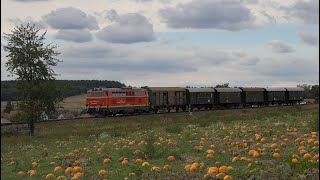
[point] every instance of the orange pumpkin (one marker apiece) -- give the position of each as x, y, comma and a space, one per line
50, 176
294, 160
58, 169
34, 164
102, 172
171, 158
69, 170
276, 155
223, 169
307, 156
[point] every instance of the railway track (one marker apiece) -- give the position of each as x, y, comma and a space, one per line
146, 114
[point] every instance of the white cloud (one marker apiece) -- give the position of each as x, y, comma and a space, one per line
309, 38
127, 28
278, 46
220, 14
70, 18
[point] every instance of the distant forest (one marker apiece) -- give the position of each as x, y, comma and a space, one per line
68, 87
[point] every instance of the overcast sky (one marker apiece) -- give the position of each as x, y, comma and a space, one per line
177, 42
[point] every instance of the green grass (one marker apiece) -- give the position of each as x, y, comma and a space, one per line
233, 132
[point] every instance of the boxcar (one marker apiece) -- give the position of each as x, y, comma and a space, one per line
107, 101
294, 95
252, 96
167, 98
200, 98
275, 96
228, 96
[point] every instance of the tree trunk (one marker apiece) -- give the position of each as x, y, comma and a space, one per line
32, 127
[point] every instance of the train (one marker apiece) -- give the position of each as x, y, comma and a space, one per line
129, 100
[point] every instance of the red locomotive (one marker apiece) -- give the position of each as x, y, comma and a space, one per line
111, 101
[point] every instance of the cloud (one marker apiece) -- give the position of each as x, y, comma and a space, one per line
304, 11
220, 14
38, 24
127, 28
29, 0
309, 38
74, 35
280, 47
70, 18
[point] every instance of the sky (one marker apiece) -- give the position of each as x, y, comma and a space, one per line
198, 43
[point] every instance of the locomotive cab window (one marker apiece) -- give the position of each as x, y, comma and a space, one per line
137, 93
90, 94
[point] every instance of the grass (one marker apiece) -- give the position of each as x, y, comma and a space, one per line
186, 137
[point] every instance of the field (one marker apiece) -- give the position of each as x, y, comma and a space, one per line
264, 143
72, 103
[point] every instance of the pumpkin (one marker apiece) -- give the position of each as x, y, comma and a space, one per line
69, 170
235, 159
58, 169
32, 172
78, 169
78, 174
187, 167
138, 161
310, 141
256, 154
303, 143
34, 164
294, 160
106, 161
50, 176
251, 152
210, 151
307, 156
102, 172
274, 145
276, 155
167, 167
156, 169
136, 152
209, 156
220, 175
227, 177
21, 173
125, 162
223, 169
75, 178
263, 140
61, 177
213, 170
194, 167
171, 158
286, 139
283, 144
316, 142
145, 164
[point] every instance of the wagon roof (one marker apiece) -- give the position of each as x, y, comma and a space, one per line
252, 89
200, 89
295, 89
166, 88
275, 89
228, 89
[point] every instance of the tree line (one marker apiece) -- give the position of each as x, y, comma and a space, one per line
67, 87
